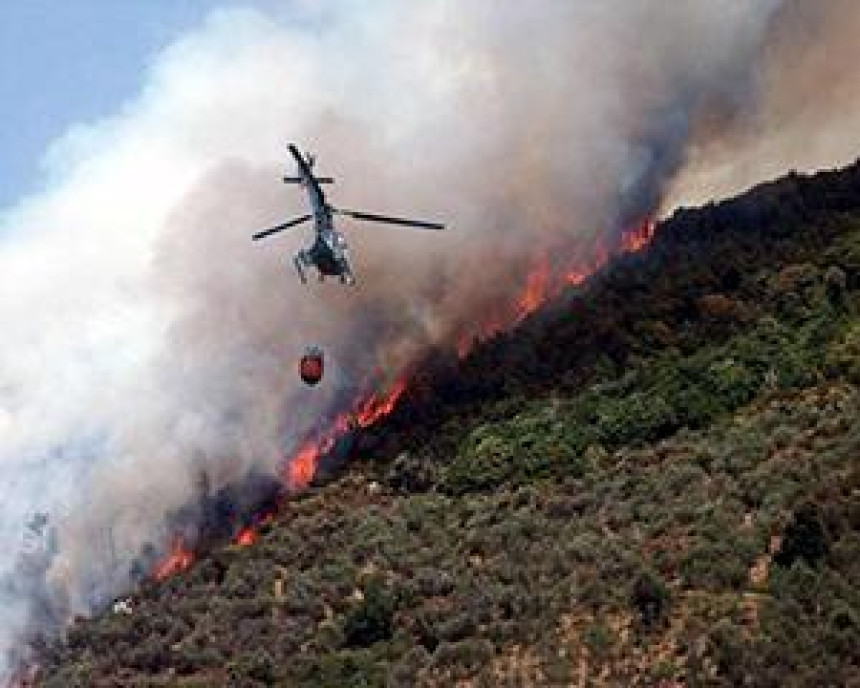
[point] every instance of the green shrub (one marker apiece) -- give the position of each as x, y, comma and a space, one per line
79, 675
650, 597
805, 538
843, 356
598, 638
404, 672
466, 655
714, 566
344, 669
257, 666
371, 621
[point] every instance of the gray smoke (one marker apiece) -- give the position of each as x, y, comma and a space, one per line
803, 115
146, 339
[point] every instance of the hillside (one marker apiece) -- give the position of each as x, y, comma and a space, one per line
654, 480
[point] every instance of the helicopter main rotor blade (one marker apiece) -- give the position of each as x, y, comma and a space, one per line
286, 225
370, 217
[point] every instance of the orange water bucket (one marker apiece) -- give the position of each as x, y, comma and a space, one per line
311, 366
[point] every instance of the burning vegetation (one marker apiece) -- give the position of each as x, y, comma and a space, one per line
468, 538
162, 300
179, 559
540, 287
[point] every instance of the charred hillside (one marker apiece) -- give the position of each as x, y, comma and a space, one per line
652, 480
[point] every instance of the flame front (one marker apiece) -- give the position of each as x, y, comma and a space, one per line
373, 408
639, 237
179, 559
537, 290
367, 411
302, 467
541, 284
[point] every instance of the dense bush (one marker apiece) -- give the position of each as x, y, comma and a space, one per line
650, 596
371, 620
653, 478
805, 538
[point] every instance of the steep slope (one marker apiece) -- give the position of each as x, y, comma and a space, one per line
653, 479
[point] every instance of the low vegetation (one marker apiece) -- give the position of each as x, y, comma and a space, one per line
653, 481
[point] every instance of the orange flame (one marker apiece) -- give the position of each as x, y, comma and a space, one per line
247, 537
542, 285
178, 560
373, 408
639, 237
537, 289
301, 469
303, 466
250, 534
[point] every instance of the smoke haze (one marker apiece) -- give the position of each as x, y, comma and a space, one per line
146, 339
804, 115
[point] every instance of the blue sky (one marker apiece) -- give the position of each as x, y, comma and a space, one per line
74, 61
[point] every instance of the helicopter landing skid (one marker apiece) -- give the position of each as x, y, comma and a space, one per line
297, 261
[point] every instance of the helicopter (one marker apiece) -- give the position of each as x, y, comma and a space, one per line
329, 252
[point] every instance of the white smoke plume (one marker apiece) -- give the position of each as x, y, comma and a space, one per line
147, 339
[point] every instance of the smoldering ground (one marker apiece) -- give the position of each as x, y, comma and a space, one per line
147, 340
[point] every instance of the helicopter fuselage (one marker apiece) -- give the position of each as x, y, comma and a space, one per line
324, 258
328, 253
